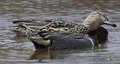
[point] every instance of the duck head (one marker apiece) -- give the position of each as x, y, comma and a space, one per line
95, 19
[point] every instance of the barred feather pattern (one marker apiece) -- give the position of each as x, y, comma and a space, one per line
80, 29
67, 27
57, 27
59, 24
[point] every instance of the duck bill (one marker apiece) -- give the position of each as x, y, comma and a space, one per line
107, 23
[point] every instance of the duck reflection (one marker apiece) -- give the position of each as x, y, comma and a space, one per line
44, 54
40, 54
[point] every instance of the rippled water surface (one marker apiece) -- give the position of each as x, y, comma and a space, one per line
19, 50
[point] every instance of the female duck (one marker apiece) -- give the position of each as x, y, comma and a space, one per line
88, 34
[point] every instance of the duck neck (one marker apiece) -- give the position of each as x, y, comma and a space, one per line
87, 26
100, 38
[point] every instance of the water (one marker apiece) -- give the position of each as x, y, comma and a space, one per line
19, 50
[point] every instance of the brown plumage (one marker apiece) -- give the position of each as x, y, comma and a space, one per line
94, 20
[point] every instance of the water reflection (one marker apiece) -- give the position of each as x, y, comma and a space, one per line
43, 54
53, 54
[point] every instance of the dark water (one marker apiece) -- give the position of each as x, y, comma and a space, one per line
18, 50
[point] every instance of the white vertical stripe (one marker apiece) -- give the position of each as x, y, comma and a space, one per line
92, 42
